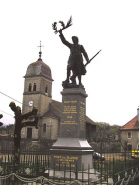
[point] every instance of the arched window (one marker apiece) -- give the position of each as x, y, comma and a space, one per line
30, 87
44, 127
46, 89
34, 87
129, 134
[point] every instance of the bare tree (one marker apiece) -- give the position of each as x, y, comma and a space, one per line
19, 124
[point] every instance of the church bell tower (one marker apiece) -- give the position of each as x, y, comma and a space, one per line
37, 92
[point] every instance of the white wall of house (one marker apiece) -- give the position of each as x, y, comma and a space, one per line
131, 137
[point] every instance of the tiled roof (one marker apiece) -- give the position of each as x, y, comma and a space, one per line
49, 113
39, 68
58, 105
132, 124
88, 120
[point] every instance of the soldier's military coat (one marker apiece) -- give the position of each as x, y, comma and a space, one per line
75, 60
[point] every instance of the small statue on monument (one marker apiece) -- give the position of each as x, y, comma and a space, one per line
75, 61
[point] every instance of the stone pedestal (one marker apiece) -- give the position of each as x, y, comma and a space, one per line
72, 150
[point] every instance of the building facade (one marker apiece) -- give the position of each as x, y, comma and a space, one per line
130, 134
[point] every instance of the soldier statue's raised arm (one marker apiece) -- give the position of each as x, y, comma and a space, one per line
75, 61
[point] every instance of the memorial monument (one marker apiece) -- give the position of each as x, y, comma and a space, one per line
72, 150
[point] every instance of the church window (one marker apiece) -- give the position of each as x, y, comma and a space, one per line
30, 87
129, 135
34, 87
44, 127
46, 89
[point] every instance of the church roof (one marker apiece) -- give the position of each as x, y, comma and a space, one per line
58, 106
49, 113
132, 124
39, 68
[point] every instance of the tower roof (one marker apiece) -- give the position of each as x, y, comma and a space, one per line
39, 68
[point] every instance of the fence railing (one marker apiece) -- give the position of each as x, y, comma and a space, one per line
35, 168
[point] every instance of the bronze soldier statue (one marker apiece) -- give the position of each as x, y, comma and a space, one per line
75, 62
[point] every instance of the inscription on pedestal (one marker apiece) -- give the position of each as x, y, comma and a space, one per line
73, 116
82, 116
65, 161
70, 108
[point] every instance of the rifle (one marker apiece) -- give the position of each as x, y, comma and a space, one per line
92, 58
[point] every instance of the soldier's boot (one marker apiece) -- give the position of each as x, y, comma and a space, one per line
72, 78
79, 78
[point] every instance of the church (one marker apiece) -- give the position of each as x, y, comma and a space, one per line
38, 92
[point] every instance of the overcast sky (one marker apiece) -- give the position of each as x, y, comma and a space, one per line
112, 77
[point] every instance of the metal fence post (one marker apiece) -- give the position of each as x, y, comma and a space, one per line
113, 170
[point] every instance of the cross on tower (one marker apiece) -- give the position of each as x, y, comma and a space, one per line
40, 50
